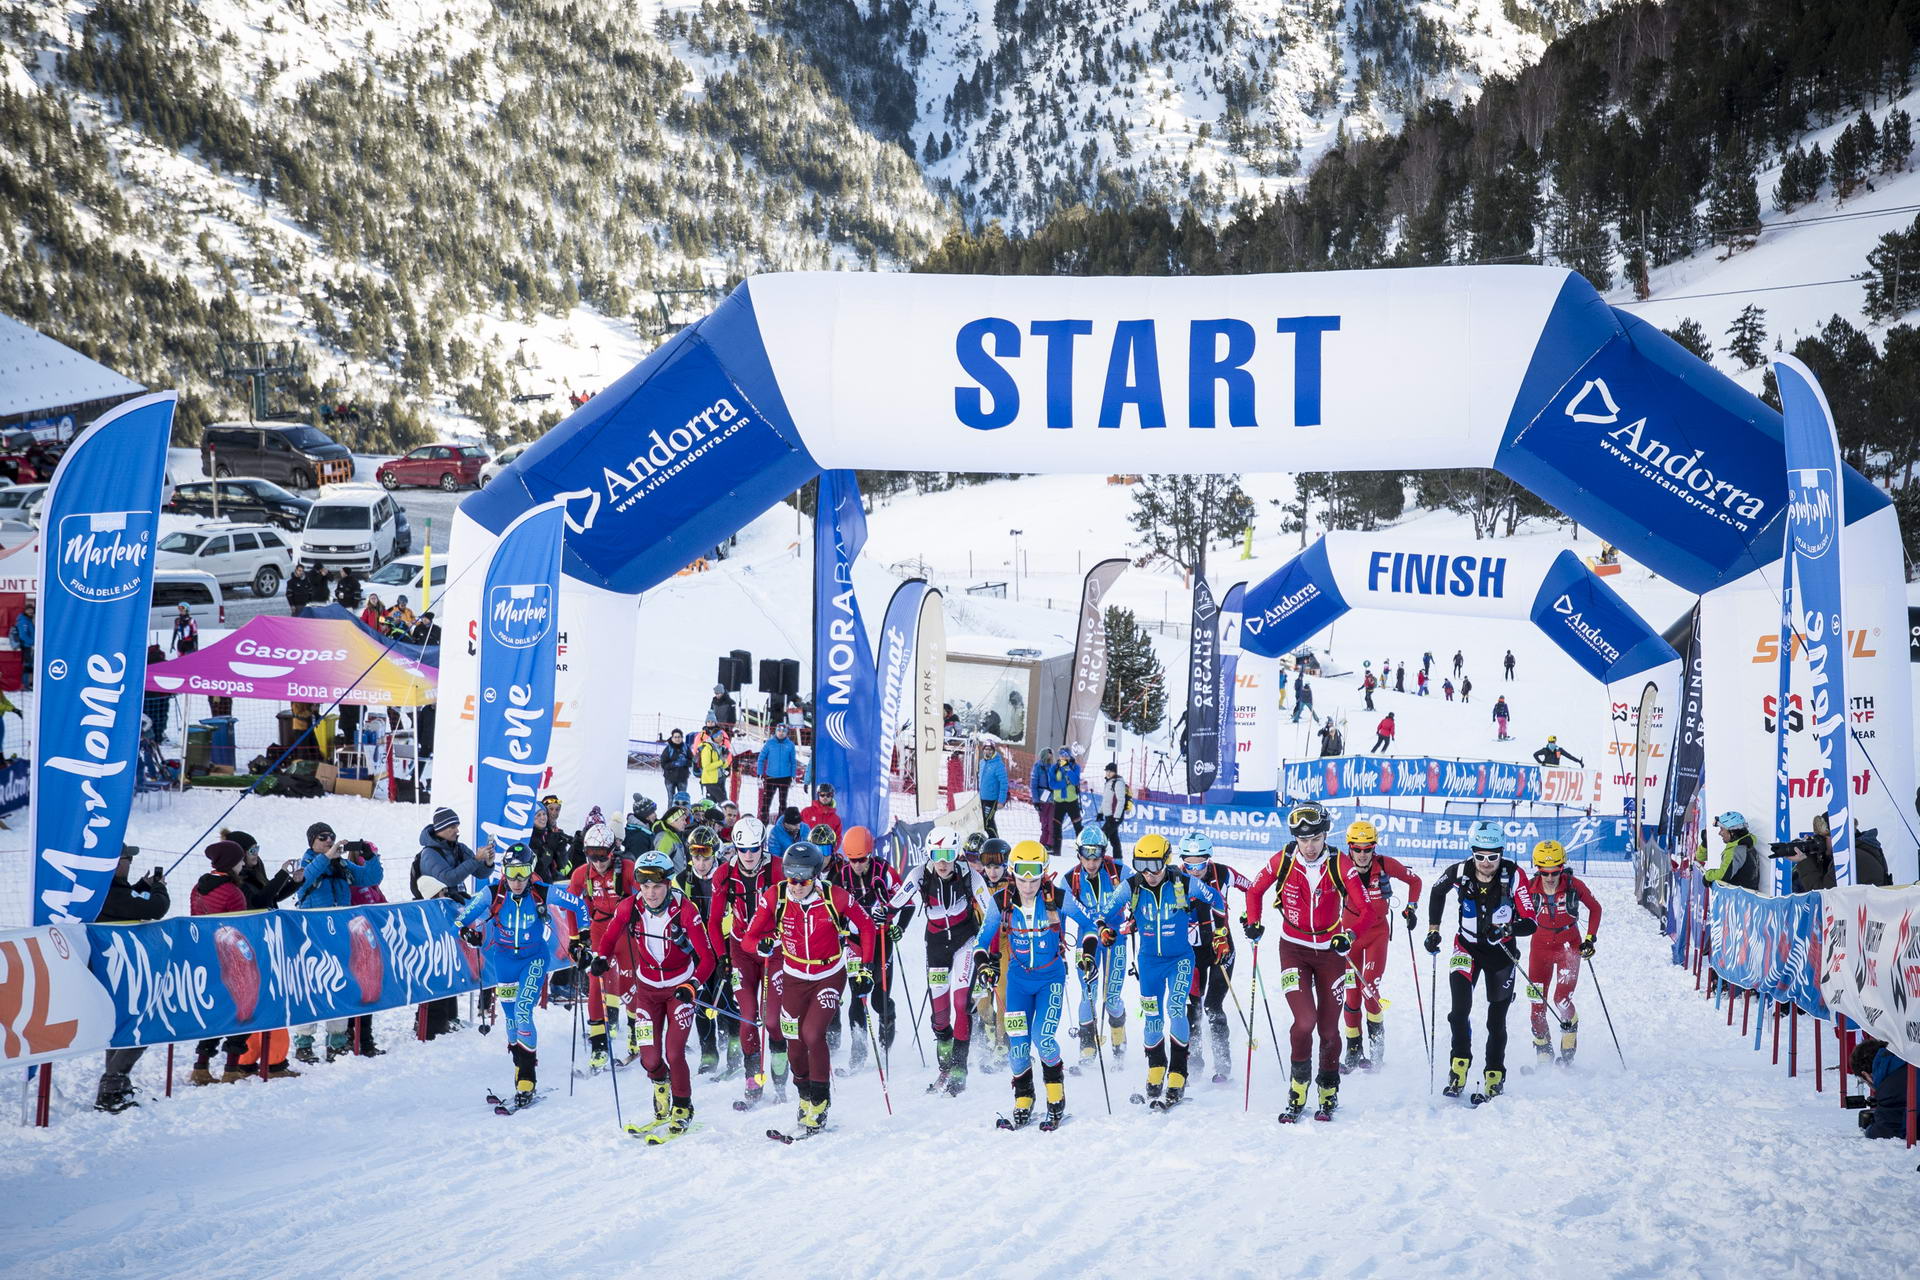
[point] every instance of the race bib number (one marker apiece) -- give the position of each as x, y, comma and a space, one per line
1344, 981
643, 1032
507, 990
1535, 994
1289, 981
739, 982
938, 977
789, 1027
1016, 1023
1460, 963
1149, 1006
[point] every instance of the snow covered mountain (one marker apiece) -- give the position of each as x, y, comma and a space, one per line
469, 210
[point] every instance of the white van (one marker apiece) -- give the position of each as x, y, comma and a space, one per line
196, 589
355, 525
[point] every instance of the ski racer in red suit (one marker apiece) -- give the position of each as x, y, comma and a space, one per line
1553, 958
1373, 872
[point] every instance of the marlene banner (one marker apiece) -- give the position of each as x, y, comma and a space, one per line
1412, 777
197, 977
50, 1006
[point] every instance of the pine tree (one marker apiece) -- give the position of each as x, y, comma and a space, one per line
1733, 202
1690, 335
1852, 157
1892, 278
1747, 336
1896, 141
1135, 695
1791, 190
1179, 514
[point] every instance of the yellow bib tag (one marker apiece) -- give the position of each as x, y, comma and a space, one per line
789, 1027
643, 1031
1016, 1023
1149, 1006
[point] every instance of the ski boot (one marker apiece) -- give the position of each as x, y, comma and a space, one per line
1542, 1050
336, 1045
734, 1062
1457, 1077
750, 1096
1353, 1060
281, 1071
1023, 1098
303, 1051
1492, 1085
1089, 1046
1117, 1035
709, 1059
1299, 1077
956, 1081
1569, 1041
943, 1058
1376, 1043
679, 1117
662, 1099
201, 1074
1329, 1095
813, 1110
1056, 1112
114, 1100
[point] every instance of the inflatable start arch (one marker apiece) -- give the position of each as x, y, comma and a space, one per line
1522, 369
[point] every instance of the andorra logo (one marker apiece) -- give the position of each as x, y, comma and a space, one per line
1564, 605
104, 555
582, 507
1593, 385
520, 616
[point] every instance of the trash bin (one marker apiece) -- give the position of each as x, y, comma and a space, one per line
199, 736
220, 739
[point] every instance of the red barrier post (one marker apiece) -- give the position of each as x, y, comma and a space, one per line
43, 1106
1746, 1013
1819, 1067
1776, 1034
1846, 1057
1793, 1040
169, 1071
420, 1023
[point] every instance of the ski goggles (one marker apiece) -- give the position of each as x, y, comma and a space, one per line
950, 853
1361, 846
1195, 865
799, 873
1028, 868
517, 873
1487, 855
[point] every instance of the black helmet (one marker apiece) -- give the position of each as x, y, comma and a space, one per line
1309, 819
703, 837
994, 852
974, 843
802, 861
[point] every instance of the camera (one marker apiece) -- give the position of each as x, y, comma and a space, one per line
360, 848
1806, 842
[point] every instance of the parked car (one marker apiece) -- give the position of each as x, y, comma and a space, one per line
502, 460
289, 453
254, 555
194, 588
18, 468
445, 466
243, 498
403, 535
355, 525
17, 501
404, 575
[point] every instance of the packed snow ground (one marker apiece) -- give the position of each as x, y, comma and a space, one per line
1677, 1165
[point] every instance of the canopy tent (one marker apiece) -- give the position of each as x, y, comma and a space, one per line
426, 655
37, 373
300, 660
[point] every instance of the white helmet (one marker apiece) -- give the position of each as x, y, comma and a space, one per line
749, 833
943, 838
599, 836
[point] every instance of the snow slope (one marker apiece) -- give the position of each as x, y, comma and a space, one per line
1679, 1165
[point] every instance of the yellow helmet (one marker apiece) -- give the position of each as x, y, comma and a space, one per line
1549, 855
1362, 832
1152, 847
1028, 861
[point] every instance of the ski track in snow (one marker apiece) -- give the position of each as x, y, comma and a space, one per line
1690, 1163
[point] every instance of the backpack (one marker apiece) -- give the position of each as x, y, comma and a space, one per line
1286, 869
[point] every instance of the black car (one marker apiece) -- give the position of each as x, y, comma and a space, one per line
241, 498
287, 452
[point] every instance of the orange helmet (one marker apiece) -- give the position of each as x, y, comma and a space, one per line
857, 843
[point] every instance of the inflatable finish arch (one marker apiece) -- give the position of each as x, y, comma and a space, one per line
1523, 369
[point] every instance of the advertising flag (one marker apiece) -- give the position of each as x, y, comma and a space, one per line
1090, 657
929, 701
99, 523
519, 646
846, 704
899, 632
1203, 691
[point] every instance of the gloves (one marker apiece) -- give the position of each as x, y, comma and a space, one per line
859, 978
577, 948
1433, 942
684, 993
880, 913
677, 936
1088, 961
767, 947
599, 965
1222, 945
1252, 928
895, 932
1341, 942
1586, 947
1107, 935
1411, 916
986, 966
472, 936
1523, 926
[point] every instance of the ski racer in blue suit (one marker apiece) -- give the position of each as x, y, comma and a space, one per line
1158, 906
509, 923
1024, 921
1092, 884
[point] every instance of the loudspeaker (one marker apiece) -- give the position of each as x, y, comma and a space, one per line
790, 676
723, 673
769, 675
742, 670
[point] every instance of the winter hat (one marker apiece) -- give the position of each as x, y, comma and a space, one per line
241, 838
225, 855
317, 830
596, 818
790, 816
443, 818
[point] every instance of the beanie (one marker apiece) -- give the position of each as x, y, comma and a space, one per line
225, 855
443, 818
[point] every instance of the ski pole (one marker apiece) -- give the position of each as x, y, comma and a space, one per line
1100, 1050
573, 1057
1433, 1009
698, 1003
879, 1059
1603, 1010
1246, 1101
1271, 1028
1413, 958
613, 1067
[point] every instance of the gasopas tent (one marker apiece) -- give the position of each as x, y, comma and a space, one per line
300, 660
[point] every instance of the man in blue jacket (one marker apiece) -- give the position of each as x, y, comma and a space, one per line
330, 877
776, 769
23, 639
993, 786
445, 866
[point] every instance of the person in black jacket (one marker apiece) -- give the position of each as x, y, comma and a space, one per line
676, 763
346, 592
299, 590
127, 902
263, 893
1553, 753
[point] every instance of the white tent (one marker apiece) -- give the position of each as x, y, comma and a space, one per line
38, 373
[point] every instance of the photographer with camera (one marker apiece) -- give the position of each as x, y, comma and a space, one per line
263, 894
1811, 854
332, 874
128, 901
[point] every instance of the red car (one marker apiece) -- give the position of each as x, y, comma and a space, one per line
449, 466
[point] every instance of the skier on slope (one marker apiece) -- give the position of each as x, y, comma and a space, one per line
1556, 948
658, 949
1094, 879
1022, 937
1496, 907
823, 940
872, 883
1551, 754
602, 882
953, 899
1373, 872
737, 887
695, 880
509, 921
990, 1034
1159, 907
1319, 906
1212, 954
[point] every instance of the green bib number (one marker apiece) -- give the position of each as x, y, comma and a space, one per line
938, 977
789, 1027
1149, 1006
643, 1032
1016, 1023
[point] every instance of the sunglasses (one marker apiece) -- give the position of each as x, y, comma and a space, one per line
1361, 848
1486, 857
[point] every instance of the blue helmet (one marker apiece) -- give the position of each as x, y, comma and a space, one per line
1732, 820
1487, 835
1092, 842
1195, 846
653, 865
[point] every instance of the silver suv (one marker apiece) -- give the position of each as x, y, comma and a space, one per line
253, 555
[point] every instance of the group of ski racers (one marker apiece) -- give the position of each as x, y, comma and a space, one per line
759, 954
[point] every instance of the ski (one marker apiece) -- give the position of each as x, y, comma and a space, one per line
1324, 1115
938, 1086
661, 1137
1165, 1104
1291, 1115
645, 1131
745, 1104
1050, 1123
508, 1107
790, 1138
1001, 1122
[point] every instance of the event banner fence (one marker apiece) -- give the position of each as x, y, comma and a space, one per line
1411, 777
1871, 967
1770, 946
1433, 836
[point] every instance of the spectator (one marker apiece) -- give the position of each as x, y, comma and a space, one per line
676, 764
1066, 796
1115, 799
1551, 754
1739, 855
1883, 1112
1420, 682
1367, 685
186, 632
993, 788
23, 635
218, 893
360, 1026
791, 829
776, 766
822, 811
1869, 859
1302, 699
712, 758
1812, 860
1459, 662
1500, 717
445, 865
639, 833
1507, 664
299, 590
1446, 687
426, 631
1040, 788
1426, 662
331, 876
722, 711
729, 814
1466, 689
346, 592
127, 902
949, 721
263, 894
1400, 678
375, 612
670, 833
1332, 742
1383, 740
157, 706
